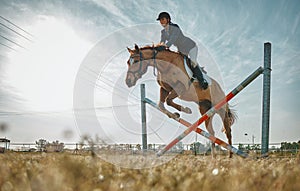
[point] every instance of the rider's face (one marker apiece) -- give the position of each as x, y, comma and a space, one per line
164, 22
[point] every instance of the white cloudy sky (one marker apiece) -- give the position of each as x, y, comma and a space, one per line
37, 76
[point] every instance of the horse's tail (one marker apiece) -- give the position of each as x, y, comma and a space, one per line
231, 115
228, 116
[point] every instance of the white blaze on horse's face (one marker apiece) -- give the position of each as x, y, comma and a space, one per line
131, 61
133, 73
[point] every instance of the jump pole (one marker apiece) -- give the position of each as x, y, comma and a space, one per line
203, 133
213, 110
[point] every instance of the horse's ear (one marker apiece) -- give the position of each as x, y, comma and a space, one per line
137, 49
130, 51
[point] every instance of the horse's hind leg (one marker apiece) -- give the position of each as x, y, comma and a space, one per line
227, 121
209, 127
227, 125
204, 106
172, 95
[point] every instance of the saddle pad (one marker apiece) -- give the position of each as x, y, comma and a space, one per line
190, 73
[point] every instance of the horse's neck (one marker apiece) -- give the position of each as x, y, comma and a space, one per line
164, 59
167, 56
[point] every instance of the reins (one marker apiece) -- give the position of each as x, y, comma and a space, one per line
139, 71
155, 51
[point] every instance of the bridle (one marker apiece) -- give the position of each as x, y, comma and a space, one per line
139, 71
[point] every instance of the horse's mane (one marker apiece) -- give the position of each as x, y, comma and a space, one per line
159, 47
153, 47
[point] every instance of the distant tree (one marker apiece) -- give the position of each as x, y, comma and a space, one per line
41, 145
295, 147
255, 147
248, 147
241, 147
289, 146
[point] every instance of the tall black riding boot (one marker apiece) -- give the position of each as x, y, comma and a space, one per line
198, 74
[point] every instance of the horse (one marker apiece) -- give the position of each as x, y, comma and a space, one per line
175, 82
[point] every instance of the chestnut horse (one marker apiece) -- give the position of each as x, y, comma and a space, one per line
174, 82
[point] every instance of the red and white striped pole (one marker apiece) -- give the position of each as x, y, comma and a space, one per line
203, 133
213, 110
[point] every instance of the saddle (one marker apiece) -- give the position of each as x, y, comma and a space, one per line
188, 62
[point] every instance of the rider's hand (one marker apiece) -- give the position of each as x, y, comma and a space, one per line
161, 48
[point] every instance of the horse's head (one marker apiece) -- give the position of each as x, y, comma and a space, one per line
137, 64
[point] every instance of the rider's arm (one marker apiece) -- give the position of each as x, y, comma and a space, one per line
163, 37
174, 36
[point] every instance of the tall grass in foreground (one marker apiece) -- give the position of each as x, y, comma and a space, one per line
68, 172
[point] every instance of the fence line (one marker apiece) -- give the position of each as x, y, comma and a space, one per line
186, 146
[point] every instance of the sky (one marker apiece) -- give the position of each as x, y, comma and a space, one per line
62, 71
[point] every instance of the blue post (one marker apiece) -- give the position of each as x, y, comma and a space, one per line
266, 100
144, 125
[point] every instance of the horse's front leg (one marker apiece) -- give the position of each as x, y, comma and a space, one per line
162, 98
172, 95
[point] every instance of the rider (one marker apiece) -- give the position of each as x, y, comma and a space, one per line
174, 36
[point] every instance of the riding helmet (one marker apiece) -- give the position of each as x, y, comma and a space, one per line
163, 15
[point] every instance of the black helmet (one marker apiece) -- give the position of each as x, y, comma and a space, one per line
163, 15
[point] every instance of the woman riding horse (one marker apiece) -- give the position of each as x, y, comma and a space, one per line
174, 36
174, 82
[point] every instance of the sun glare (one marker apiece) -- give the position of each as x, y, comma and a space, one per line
44, 74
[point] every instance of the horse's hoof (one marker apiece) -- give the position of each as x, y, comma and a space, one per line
187, 110
177, 115
173, 115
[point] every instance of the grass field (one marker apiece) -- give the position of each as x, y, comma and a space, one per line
69, 172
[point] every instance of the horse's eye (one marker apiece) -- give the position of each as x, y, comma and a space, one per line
131, 61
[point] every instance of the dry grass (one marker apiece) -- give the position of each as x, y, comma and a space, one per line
67, 172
